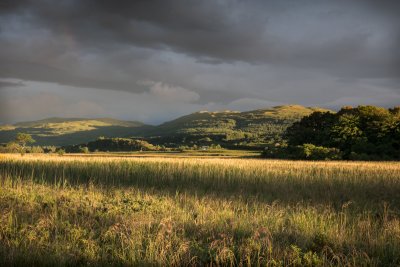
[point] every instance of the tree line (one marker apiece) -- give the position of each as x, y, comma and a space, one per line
361, 133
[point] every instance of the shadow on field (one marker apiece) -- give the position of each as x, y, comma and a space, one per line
340, 187
38, 256
205, 245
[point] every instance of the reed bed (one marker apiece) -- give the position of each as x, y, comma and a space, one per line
69, 211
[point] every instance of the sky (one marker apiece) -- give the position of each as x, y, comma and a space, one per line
155, 60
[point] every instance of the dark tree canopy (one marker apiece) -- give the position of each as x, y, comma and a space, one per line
314, 129
112, 144
364, 132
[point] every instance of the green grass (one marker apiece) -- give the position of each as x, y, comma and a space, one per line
168, 211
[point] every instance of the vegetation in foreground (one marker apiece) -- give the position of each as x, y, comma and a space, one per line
162, 211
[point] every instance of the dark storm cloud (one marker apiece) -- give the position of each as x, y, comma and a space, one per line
222, 50
230, 30
98, 27
34, 71
215, 31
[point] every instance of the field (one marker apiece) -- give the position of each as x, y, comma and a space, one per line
212, 153
169, 211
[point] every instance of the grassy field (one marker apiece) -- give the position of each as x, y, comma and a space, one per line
214, 153
99, 210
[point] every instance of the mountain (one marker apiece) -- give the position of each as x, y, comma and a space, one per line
67, 131
227, 128
230, 128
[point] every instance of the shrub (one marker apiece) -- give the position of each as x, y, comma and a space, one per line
11, 148
36, 149
60, 152
49, 149
310, 151
84, 149
277, 151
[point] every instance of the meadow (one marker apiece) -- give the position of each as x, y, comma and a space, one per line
146, 211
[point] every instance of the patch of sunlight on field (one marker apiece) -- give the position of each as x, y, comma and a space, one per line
99, 210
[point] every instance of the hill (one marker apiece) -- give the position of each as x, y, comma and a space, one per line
230, 128
67, 131
227, 128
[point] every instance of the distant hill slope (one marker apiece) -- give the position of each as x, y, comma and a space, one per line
67, 131
231, 128
228, 128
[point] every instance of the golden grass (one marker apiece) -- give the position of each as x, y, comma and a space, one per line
197, 211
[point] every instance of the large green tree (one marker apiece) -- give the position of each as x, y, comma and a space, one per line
23, 139
365, 131
312, 129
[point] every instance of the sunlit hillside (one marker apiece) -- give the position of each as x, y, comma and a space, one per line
228, 128
62, 131
255, 127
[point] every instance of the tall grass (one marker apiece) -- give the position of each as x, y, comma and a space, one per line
160, 211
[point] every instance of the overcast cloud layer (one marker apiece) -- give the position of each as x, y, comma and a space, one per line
155, 60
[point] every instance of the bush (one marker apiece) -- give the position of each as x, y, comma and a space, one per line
277, 151
313, 152
11, 148
60, 152
84, 149
49, 149
36, 149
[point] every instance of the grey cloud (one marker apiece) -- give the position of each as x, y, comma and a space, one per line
35, 71
7, 84
226, 31
304, 51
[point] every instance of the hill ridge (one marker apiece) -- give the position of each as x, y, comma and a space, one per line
228, 127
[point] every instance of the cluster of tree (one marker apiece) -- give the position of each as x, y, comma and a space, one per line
21, 145
111, 145
362, 133
237, 140
12, 147
128, 144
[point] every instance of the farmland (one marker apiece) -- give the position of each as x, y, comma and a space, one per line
162, 210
